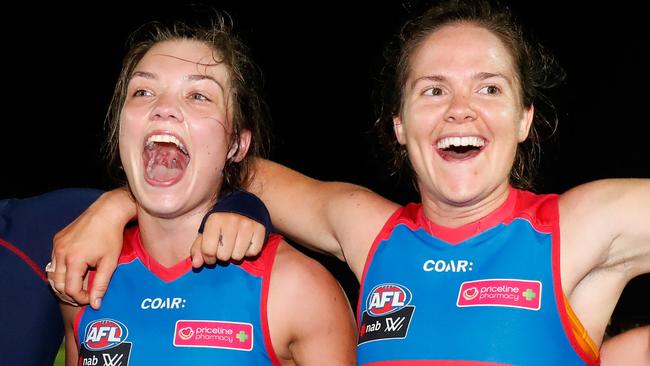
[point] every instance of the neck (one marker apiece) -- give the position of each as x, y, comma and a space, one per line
168, 240
453, 214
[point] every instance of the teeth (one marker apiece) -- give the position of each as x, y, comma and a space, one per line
460, 141
167, 139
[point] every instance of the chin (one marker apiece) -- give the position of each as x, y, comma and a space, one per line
164, 205
459, 192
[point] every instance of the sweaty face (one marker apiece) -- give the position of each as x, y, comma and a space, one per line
461, 116
174, 128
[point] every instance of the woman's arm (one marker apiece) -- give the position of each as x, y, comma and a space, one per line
605, 242
94, 239
333, 217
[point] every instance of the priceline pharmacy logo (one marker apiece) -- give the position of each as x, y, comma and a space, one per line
512, 293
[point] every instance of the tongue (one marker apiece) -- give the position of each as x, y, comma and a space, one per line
459, 152
164, 162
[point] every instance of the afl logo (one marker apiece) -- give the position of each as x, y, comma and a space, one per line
387, 298
104, 334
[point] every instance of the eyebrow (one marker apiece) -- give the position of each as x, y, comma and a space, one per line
197, 77
477, 76
192, 77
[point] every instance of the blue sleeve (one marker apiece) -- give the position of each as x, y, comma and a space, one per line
32, 329
31, 223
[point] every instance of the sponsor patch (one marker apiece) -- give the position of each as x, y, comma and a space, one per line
388, 313
104, 344
511, 293
213, 334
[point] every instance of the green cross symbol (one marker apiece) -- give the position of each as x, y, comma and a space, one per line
242, 336
529, 294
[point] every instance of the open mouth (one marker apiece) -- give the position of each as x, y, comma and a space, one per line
165, 158
460, 148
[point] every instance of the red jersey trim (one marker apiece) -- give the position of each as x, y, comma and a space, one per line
263, 262
25, 258
267, 258
559, 292
167, 274
462, 233
383, 234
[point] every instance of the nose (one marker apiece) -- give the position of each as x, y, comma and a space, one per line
167, 108
460, 109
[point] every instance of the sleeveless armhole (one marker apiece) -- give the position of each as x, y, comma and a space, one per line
575, 331
383, 234
580, 333
263, 266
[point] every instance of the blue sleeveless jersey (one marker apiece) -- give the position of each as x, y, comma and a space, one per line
152, 315
485, 293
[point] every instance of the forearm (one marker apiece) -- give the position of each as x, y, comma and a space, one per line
117, 206
300, 206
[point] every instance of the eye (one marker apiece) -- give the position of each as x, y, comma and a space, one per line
142, 93
433, 91
490, 90
199, 96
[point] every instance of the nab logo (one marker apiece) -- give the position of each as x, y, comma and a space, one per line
104, 334
387, 298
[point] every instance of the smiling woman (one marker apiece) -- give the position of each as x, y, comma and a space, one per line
186, 120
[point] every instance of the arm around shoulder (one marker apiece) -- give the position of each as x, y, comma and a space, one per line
333, 217
76, 246
310, 317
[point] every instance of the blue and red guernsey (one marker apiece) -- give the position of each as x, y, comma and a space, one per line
153, 315
487, 293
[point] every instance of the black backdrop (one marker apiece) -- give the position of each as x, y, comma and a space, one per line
319, 60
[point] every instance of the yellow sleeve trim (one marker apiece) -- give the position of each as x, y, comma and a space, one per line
584, 340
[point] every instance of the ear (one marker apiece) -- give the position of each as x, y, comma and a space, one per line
525, 123
398, 128
240, 148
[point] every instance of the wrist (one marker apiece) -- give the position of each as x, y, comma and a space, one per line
118, 205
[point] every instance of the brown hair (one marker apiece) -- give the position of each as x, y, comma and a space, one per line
249, 111
535, 70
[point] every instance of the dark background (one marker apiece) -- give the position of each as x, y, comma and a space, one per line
320, 60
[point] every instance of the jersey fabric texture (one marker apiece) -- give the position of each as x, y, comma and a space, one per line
487, 293
151, 314
30, 320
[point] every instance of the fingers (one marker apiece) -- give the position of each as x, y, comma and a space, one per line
227, 236
73, 275
195, 252
210, 243
227, 241
102, 277
250, 241
69, 273
257, 241
57, 283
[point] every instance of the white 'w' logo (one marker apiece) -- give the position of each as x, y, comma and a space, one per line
393, 325
116, 360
